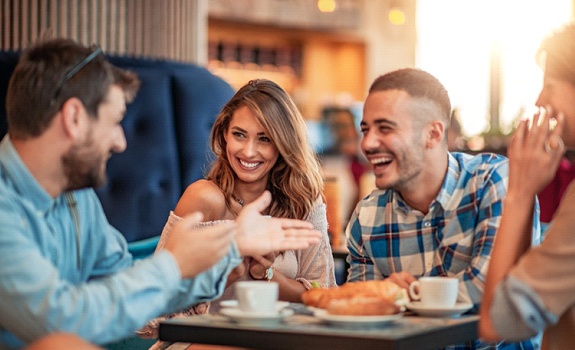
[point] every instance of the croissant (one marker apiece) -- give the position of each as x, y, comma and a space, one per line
364, 306
386, 291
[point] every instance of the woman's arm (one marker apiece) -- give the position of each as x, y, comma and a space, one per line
289, 289
532, 165
315, 264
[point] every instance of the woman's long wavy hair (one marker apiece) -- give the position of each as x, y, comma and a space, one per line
296, 180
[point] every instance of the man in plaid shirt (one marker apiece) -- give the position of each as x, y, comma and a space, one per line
434, 213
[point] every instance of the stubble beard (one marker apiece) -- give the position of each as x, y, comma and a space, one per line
409, 167
84, 166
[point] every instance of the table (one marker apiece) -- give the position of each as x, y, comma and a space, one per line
302, 331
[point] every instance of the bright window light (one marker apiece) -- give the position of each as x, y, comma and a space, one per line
455, 41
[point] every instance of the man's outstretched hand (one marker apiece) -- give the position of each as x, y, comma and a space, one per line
197, 249
260, 235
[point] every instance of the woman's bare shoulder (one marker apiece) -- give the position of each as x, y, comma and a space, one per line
203, 196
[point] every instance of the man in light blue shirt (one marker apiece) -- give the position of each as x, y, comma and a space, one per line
63, 267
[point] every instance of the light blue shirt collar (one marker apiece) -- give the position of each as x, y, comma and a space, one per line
15, 172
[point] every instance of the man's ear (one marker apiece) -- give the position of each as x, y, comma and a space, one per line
72, 117
435, 133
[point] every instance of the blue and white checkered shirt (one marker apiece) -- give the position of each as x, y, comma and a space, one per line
454, 238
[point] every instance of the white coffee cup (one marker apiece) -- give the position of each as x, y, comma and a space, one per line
435, 291
257, 297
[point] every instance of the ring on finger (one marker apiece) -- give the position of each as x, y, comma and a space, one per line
554, 143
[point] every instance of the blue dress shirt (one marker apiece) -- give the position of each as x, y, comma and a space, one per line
56, 278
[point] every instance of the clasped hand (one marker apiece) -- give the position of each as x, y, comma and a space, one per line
254, 266
259, 265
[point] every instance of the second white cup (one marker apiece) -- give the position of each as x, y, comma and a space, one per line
257, 297
435, 291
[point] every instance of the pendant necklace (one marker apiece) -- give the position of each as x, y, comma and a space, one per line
239, 200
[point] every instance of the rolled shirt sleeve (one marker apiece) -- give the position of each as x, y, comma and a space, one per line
518, 312
538, 293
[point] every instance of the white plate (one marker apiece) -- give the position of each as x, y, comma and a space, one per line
234, 303
240, 316
355, 321
434, 311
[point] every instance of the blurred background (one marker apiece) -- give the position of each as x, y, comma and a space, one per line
326, 53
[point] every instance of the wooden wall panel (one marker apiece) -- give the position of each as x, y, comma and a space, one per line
149, 28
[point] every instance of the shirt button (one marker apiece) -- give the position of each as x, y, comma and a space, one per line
426, 224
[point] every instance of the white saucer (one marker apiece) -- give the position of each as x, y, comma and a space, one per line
239, 316
435, 311
355, 321
234, 303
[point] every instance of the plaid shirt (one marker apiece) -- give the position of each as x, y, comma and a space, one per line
454, 238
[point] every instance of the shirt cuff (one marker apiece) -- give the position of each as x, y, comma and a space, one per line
235, 256
517, 312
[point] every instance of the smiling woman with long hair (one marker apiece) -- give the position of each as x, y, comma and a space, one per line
295, 179
260, 142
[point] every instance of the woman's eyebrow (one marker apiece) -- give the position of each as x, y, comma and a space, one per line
237, 128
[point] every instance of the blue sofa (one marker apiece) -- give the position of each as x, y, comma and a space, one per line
167, 129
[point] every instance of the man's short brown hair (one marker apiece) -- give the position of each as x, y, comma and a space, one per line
39, 85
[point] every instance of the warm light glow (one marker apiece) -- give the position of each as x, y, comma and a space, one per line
476, 143
396, 17
326, 5
456, 39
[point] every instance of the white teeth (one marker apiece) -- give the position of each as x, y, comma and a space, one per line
249, 165
380, 160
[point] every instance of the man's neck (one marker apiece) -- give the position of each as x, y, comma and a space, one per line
42, 158
423, 190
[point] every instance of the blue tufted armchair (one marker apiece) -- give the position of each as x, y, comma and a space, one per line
167, 129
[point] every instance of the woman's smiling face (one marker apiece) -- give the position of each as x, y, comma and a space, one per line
251, 152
